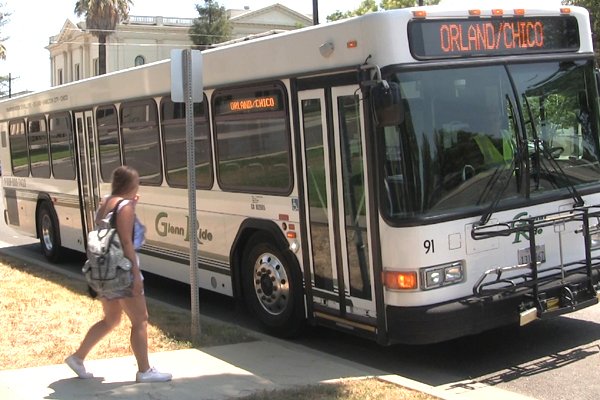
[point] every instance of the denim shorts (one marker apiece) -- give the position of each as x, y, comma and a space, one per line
118, 294
123, 293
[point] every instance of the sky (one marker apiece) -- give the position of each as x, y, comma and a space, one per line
33, 22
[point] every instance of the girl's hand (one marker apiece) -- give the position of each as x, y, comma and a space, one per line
138, 285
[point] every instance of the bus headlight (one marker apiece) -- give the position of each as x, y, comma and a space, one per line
442, 275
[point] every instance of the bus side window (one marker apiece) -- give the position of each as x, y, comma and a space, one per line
139, 131
61, 145
19, 153
37, 138
253, 139
108, 140
175, 147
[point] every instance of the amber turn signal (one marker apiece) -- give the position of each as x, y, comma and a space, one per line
400, 280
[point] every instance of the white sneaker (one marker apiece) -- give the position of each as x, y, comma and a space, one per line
77, 366
152, 375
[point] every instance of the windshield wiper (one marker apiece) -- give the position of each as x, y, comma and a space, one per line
536, 149
570, 185
539, 162
499, 172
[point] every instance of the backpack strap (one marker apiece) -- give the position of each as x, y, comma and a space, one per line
115, 210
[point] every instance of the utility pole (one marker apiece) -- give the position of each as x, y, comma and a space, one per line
7, 80
315, 12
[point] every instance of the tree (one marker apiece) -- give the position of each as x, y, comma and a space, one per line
212, 25
365, 7
593, 6
5, 81
370, 5
3, 21
394, 4
101, 19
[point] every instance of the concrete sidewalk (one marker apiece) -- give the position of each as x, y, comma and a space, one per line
216, 373
220, 372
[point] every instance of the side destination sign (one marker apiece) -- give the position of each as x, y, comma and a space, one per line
431, 39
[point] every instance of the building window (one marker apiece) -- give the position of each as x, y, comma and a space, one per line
60, 76
96, 67
140, 60
76, 72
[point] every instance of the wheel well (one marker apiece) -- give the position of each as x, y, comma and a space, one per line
248, 229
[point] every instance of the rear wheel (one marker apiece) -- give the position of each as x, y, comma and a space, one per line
48, 232
272, 286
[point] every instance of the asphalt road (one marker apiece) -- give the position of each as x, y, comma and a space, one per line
547, 360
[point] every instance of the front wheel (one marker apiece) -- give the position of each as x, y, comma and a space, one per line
48, 232
272, 286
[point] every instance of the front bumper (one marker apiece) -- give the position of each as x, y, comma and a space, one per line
472, 315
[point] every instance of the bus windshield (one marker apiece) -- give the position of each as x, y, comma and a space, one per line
472, 136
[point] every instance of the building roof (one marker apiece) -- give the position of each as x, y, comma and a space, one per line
266, 14
273, 17
66, 33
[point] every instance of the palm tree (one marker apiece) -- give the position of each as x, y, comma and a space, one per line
101, 19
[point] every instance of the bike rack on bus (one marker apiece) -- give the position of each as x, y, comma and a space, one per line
553, 290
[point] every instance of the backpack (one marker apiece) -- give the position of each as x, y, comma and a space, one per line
107, 269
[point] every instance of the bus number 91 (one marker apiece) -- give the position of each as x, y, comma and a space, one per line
429, 246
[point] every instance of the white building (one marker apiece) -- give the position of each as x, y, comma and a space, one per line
144, 39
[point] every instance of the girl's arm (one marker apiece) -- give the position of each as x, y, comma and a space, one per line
125, 220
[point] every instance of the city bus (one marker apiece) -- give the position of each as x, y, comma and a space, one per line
407, 176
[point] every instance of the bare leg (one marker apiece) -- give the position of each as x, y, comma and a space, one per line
112, 317
135, 308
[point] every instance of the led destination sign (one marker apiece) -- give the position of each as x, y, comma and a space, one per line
502, 36
254, 104
249, 102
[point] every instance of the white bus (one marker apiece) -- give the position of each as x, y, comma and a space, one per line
410, 176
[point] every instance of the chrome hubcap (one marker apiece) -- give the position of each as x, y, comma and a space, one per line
47, 232
271, 284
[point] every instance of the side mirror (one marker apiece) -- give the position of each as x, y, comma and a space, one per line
387, 104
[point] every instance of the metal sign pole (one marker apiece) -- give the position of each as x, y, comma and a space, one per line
191, 173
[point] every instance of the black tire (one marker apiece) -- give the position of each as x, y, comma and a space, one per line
49, 232
272, 287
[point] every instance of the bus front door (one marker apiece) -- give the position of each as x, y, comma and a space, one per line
337, 214
87, 168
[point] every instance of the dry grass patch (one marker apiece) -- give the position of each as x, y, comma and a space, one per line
44, 316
